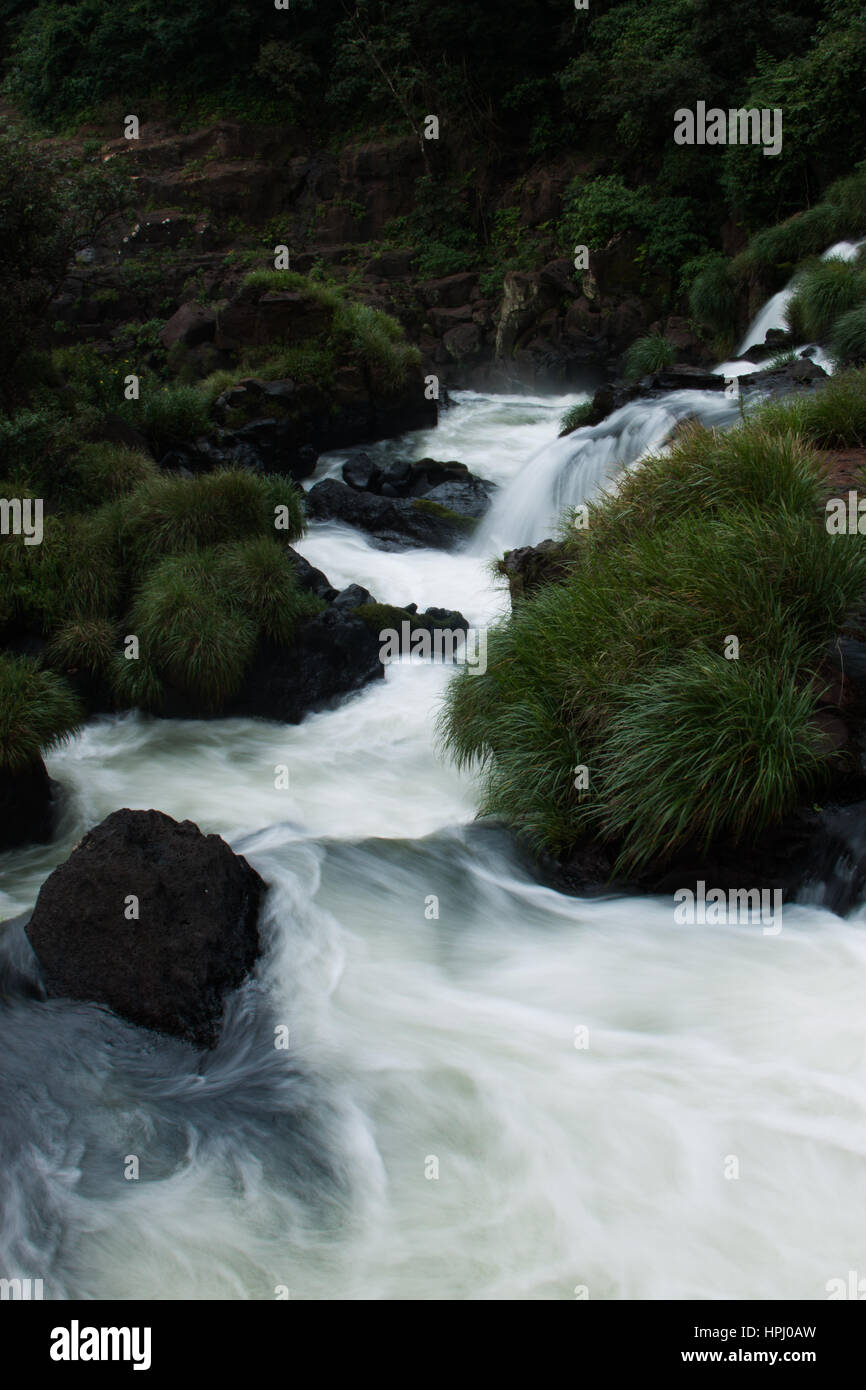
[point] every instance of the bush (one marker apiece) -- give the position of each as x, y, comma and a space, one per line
103, 471
832, 418
170, 514
38, 711
848, 338
379, 341
647, 355
774, 252
604, 667
168, 414
658, 762
258, 576
576, 415
712, 298
188, 633
823, 293
85, 644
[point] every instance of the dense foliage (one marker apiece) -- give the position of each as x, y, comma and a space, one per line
620, 671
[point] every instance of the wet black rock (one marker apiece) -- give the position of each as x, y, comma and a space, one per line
154, 920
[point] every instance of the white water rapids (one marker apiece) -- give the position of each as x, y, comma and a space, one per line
433, 1131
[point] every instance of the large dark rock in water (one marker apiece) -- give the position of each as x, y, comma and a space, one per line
26, 805
194, 939
445, 515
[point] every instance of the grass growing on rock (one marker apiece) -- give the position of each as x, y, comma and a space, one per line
833, 417
647, 355
620, 665
576, 415
824, 292
38, 711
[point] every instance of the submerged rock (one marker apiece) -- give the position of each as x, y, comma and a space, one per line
153, 919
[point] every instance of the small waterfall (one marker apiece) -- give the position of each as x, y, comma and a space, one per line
570, 470
772, 316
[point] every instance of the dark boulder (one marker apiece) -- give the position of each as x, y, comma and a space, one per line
532, 566
311, 579
332, 655
360, 472
402, 521
26, 806
799, 374
195, 936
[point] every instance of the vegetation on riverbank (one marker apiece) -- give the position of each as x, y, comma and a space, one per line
614, 704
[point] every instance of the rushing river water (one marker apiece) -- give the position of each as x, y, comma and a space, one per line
437, 1128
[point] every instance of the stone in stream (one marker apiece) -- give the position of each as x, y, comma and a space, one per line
153, 919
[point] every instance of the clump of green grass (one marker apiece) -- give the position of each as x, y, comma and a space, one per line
848, 338
833, 417
824, 292
576, 416
84, 644
260, 282
170, 514
773, 253
169, 414
38, 711
136, 683
712, 297
724, 536
658, 762
703, 473
103, 471
379, 340
257, 576
188, 633
651, 354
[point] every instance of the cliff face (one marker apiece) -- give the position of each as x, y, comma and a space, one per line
212, 203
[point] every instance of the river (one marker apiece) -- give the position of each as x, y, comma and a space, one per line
526, 1096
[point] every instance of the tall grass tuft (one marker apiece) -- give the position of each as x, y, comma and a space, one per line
189, 634
170, 514
258, 577
848, 338
38, 711
824, 292
647, 355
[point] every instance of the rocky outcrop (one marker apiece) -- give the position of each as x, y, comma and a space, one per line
405, 505
27, 806
154, 920
532, 566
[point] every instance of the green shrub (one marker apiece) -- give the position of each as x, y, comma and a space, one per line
849, 196
258, 576
86, 644
188, 633
705, 472
168, 414
260, 282
576, 415
136, 684
848, 338
38, 711
833, 417
660, 768
603, 667
773, 253
651, 354
170, 514
103, 471
823, 293
712, 298
379, 341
